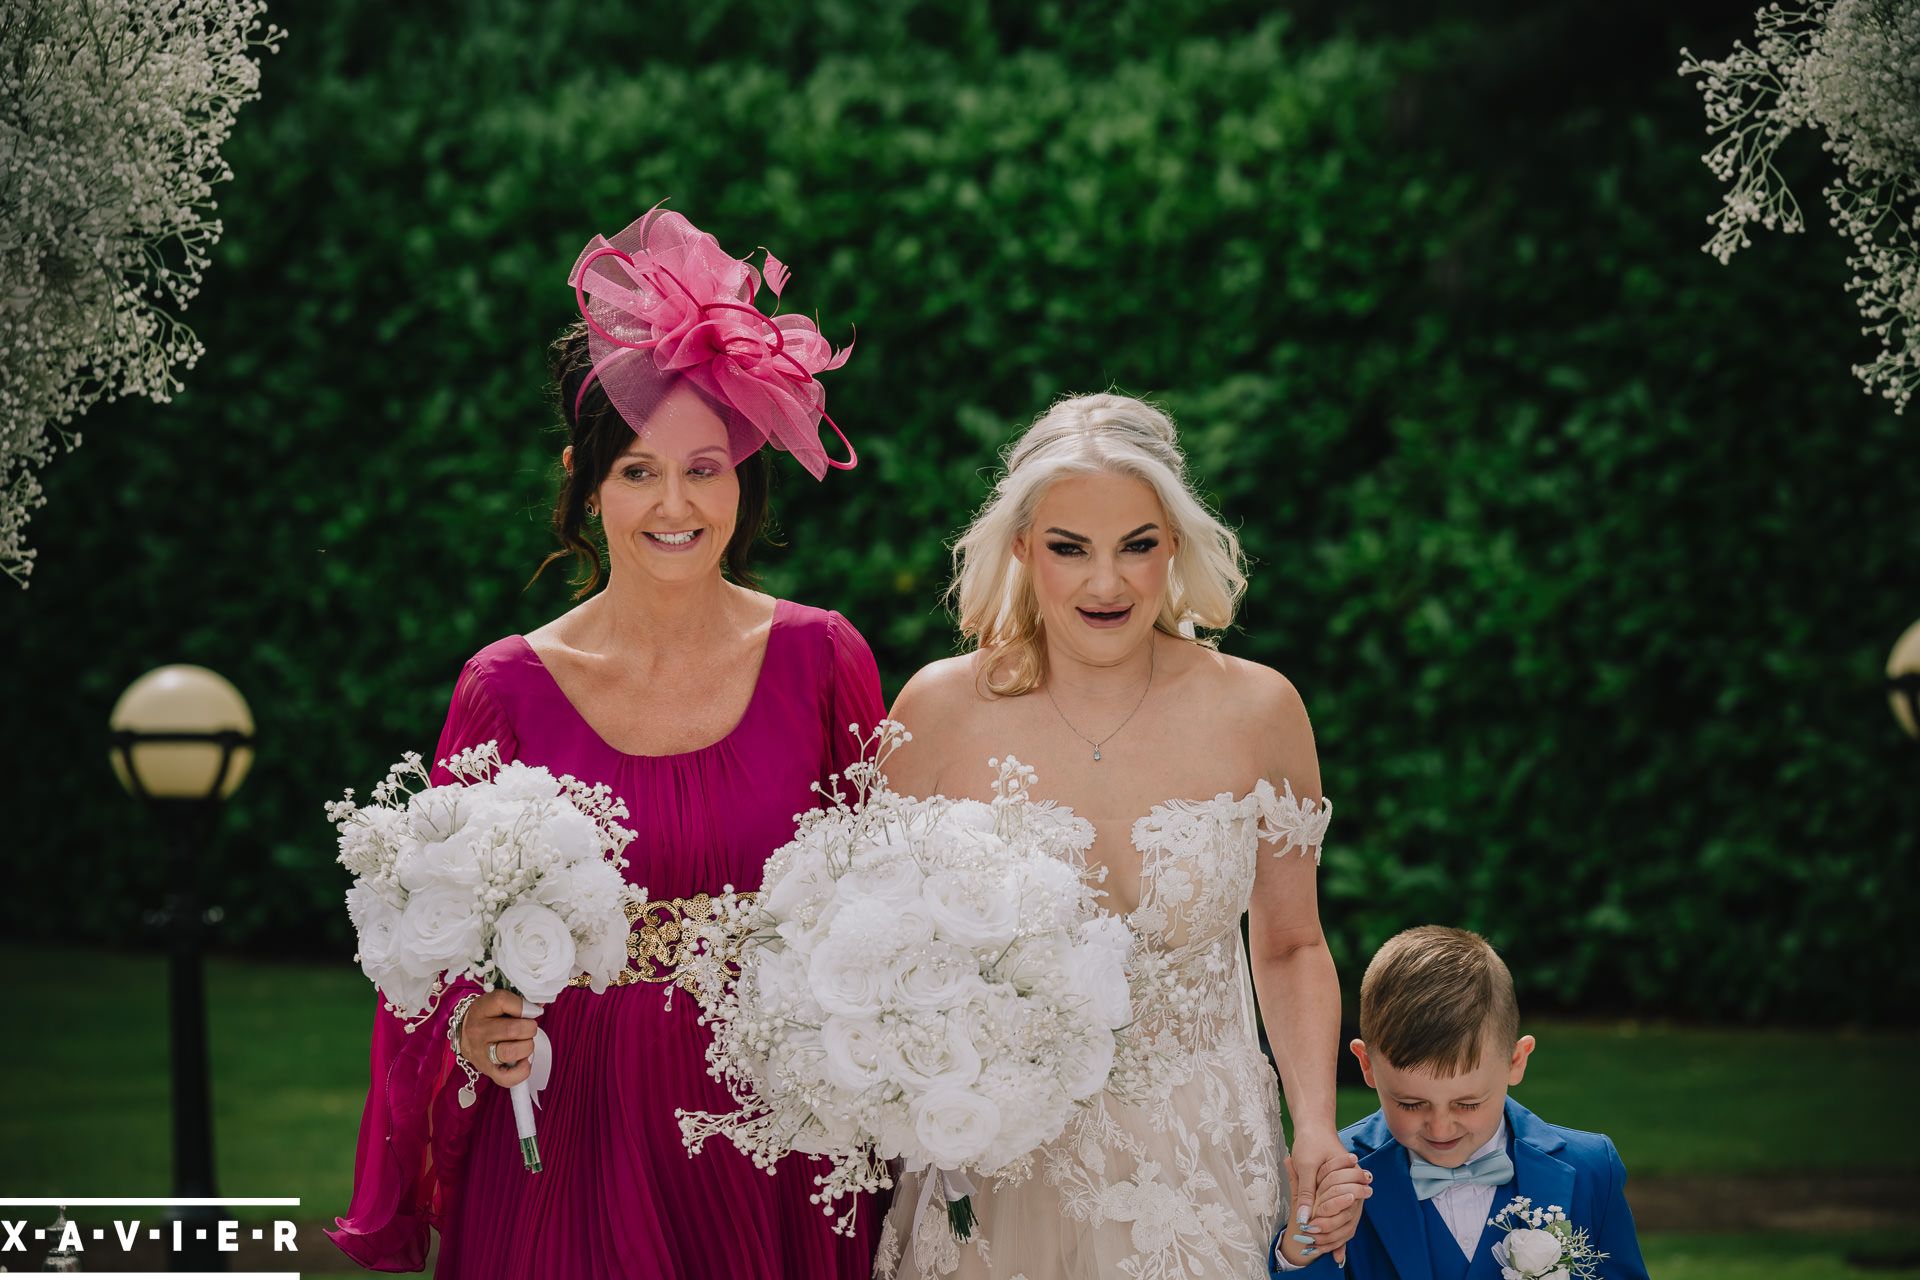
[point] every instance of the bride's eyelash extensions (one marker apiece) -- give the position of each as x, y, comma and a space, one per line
1139, 546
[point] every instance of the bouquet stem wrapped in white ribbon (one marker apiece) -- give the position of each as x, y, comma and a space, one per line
925, 982
508, 877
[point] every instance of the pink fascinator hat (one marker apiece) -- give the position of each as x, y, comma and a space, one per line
663, 302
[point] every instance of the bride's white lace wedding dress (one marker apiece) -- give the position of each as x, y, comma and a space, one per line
1185, 1184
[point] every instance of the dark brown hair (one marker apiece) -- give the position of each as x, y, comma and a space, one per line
598, 436
1433, 996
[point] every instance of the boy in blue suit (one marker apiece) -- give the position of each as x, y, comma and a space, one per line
1448, 1149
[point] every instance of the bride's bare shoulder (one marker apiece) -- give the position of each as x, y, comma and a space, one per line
940, 692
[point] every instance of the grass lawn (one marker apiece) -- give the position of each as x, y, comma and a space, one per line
1891, 1256
289, 1045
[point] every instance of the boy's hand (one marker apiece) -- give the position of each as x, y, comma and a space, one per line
1335, 1216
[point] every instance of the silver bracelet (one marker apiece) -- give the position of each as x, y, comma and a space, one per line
454, 1023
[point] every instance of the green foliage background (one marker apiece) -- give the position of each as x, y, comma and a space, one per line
1584, 551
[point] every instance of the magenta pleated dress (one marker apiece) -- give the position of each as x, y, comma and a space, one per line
619, 1195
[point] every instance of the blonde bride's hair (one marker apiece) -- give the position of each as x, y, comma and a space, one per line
1086, 435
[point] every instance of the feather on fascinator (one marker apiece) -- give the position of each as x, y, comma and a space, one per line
663, 302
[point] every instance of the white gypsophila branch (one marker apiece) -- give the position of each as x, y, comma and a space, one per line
1851, 70
112, 115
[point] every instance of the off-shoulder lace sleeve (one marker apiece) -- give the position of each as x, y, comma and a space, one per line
1283, 817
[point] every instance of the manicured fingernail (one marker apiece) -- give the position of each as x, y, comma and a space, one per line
1302, 1216
1308, 1253
1313, 1230
1303, 1239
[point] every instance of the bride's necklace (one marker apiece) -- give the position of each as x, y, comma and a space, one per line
1048, 688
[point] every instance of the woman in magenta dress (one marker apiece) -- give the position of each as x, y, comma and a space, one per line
711, 709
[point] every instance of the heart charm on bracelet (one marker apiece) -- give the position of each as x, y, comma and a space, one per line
467, 1095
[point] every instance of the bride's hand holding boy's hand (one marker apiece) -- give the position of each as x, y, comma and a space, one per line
1335, 1216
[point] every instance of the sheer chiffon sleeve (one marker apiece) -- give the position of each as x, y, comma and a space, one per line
855, 695
413, 1133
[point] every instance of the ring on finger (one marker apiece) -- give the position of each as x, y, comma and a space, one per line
493, 1053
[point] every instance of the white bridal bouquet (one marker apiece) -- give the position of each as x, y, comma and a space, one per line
508, 876
921, 981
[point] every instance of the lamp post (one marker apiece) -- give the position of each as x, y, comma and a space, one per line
1903, 680
182, 740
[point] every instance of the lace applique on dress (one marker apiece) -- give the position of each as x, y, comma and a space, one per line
1182, 1181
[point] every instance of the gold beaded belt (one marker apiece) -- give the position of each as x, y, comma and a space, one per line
658, 944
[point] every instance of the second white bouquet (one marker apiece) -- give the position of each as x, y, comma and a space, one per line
508, 876
925, 981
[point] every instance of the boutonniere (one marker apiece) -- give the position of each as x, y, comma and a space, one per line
1542, 1245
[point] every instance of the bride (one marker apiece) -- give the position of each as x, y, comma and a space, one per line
1080, 584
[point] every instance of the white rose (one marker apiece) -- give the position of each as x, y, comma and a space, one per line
944, 977
893, 879
852, 1046
1033, 1112
1097, 974
407, 989
1038, 963
454, 861
1558, 1273
1085, 1063
363, 899
975, 913
930, 1052
804, 879
780, 977
440, 929
518, 781
881, 927
436, 813
954, 1126
579, 890
893, 1131
577, 837
849, 979
1532, 1252
534, 950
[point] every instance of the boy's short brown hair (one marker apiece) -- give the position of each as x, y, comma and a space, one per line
1432, 996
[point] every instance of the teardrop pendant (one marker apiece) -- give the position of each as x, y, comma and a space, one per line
1096, 753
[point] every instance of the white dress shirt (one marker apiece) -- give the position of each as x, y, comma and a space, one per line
1463, 1208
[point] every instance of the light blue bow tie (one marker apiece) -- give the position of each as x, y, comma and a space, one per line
1491, 1170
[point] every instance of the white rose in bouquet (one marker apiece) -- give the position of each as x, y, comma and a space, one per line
535, 951
441, 928
954, 1125
453, 860
853, 1048
941, 975
850, 979
1097, 970
972, 912
931, 1050
1088, 1056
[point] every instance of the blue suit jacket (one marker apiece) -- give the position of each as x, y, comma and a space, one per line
1580, 1172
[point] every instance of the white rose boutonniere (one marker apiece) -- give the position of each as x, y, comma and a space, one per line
1541, 1244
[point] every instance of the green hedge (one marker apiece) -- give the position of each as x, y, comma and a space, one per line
1583, 550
